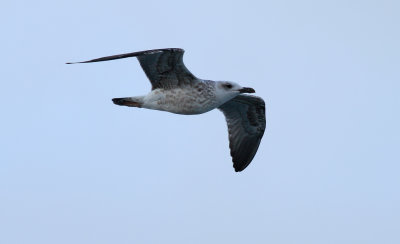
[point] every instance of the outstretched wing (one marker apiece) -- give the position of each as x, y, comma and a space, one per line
164, 67
245, 116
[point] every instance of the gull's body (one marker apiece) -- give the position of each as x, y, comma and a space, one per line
176, 90
196, 99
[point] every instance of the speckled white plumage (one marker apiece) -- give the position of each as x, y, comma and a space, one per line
197, 99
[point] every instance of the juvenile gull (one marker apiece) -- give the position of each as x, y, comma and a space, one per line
176, 90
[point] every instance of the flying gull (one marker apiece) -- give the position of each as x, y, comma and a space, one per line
175, 89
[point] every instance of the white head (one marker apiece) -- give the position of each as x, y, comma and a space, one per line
226, 90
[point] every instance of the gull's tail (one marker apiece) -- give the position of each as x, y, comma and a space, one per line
129, 101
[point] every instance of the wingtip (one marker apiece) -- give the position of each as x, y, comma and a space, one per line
237, 169
77, 62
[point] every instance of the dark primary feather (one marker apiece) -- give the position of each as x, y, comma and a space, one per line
163, 67
245, 116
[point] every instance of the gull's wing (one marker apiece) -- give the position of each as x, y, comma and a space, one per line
164, 67
245, 116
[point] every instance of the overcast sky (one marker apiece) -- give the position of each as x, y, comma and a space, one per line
75, 168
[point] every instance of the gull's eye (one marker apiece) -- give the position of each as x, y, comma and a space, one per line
228, 86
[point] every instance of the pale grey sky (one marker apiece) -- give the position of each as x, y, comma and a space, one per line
78, 169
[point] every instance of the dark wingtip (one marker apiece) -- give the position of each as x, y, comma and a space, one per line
238, 169
78, 62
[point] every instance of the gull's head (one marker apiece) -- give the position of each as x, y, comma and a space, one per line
226, 90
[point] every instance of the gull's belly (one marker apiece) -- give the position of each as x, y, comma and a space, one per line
180, 101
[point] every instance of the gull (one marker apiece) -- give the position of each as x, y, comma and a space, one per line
175, 89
